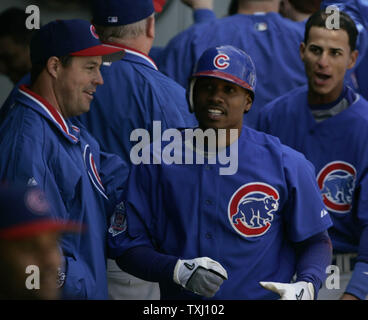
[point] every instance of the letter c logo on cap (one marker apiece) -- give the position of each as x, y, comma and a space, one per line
221, 61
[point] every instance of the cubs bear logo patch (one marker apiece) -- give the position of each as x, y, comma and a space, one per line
336, 181
252, 207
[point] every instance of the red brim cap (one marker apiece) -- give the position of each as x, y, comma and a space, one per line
39, 227
158, 5
224, 76
108, 53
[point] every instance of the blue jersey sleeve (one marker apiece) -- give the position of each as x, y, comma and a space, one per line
114, 173
133, 218
306, 214
314, 256
22, 161
203, 15
358, 284
147, 264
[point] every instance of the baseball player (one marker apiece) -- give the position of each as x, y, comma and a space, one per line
41, 145
206, 235
256, 28
29, 239
327, 122
134, 95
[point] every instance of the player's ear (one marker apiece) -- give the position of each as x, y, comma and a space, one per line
353, 58
150, 27
53, 65
247, 102
302, 50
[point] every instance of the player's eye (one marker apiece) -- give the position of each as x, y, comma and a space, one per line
336, 53
315, 50
229, 89
206, 87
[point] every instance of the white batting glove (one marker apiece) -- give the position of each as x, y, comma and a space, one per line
291, 291
202, 276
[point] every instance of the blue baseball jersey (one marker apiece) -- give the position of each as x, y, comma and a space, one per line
82, 184
337, 147
271, 41
247, 221
134, 94
199, 16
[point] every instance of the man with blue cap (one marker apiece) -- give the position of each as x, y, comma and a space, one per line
42, 145
134, 95
29, 242
244, 235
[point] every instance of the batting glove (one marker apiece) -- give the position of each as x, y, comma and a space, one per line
202, 276
291, 291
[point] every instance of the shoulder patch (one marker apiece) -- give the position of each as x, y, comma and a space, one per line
118, 222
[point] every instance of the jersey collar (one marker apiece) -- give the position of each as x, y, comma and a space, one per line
42, 106
134, 55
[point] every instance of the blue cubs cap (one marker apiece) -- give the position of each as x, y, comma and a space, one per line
25, 212
227, 63
70, 37
120, 12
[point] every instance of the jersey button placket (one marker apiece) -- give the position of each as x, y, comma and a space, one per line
208, 235
208, 217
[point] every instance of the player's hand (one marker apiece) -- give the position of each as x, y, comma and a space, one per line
291, 291
347, 296
199, 4
202, 276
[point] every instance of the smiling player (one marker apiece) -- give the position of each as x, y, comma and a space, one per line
328, 122
206, 235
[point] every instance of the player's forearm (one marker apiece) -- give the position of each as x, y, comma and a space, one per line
199, 4
358, 284
314, 255
363, 246
148, 264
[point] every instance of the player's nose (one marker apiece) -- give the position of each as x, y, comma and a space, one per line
99, 79
216, 95
323, 60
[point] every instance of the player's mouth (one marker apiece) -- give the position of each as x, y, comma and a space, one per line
321, 78
89, 93
215, 113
